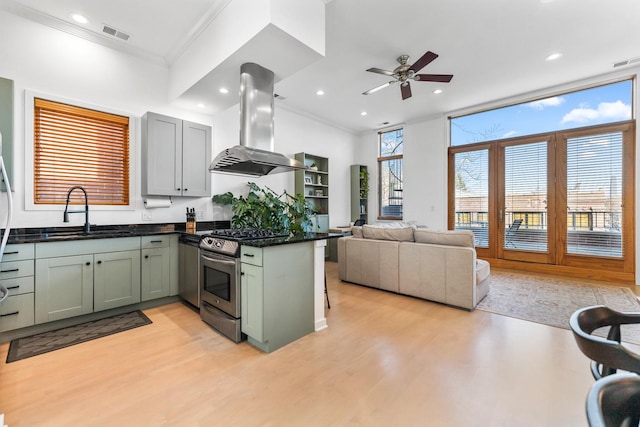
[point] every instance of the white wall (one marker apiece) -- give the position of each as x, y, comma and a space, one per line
48, 61
425, 172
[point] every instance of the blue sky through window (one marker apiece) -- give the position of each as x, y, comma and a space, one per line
598, 105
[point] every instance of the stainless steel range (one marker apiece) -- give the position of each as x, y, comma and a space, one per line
220, 278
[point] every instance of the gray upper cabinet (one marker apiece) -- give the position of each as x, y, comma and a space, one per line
175, 157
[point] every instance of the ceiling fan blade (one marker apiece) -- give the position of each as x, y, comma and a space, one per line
405, 88
442, 78
377, 88
423, 61
380, 71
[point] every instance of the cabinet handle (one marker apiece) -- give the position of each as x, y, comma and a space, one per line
242, 273
10, 314
249, 255
99, 262
146, 256
13, 270
13, 287
177, 189
186, 189
156, 241
87, 263
12, 253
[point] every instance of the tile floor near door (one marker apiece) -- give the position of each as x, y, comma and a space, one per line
385, 360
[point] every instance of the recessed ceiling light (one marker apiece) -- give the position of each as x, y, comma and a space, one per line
79, 18
319, 92
437, 91
224, 90
553, 56
364, 113
201, 105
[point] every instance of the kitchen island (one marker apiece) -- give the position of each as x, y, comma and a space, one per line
282, 289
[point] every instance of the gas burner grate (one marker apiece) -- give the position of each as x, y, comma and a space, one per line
245, 234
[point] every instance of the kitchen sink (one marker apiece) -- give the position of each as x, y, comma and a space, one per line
66, 234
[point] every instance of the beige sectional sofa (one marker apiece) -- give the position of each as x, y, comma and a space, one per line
435, 265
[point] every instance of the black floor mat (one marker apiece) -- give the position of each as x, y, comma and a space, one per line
21, 348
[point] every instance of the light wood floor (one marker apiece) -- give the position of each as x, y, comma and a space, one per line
385, 360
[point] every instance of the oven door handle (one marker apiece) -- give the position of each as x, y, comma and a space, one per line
219, 260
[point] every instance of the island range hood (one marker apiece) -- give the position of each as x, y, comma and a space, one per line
255, 156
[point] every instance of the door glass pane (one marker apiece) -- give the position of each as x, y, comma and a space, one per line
472, 194
594, 195
525, 187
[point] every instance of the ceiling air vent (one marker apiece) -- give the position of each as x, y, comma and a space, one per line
626, 62
115, 33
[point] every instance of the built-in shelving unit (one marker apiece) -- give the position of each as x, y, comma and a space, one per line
313, 183
359, 193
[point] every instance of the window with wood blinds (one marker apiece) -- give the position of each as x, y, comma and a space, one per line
78, 146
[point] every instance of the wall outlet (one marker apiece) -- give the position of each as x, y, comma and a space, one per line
146, 216
199, 214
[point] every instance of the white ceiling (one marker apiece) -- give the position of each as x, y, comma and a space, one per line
494, 48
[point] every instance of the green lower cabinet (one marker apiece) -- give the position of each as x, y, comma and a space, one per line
277, 294
64, 287
116, 279
156, 273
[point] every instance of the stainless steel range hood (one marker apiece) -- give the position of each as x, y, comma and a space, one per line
254, 156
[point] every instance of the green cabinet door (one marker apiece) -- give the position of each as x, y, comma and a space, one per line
252, 301
64, 287
156, 273
116, 279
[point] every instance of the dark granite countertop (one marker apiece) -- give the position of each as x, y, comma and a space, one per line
57, 234
307, 237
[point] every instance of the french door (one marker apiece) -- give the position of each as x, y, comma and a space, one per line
525, 199
563, 198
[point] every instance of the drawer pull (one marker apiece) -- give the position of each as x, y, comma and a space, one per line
155, 241
10, 314
13, 270
249, 255
13, 287
12, 253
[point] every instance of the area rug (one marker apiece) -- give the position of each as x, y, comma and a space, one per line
551, 300
33, 345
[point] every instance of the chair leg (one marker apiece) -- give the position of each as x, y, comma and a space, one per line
325, 291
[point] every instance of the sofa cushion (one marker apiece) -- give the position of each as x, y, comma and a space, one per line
462, 238
356, 231
483, 269
403, 234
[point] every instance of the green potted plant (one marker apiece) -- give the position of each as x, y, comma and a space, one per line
264, 209
364, 183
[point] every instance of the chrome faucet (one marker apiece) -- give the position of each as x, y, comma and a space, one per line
87, 226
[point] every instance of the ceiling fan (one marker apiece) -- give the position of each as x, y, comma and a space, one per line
404, 72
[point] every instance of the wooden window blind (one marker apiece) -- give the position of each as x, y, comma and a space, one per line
78, 146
